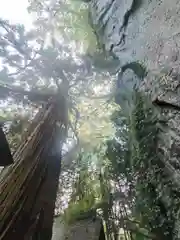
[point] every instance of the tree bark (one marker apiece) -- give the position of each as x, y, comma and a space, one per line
28, 187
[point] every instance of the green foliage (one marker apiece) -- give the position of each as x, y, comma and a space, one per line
15, 121
135, 157
138, 68
91, 189
99, 27
133, 160
80, 210
103, 61
81, 29
47, 69
83, 197
149, 166
69, 19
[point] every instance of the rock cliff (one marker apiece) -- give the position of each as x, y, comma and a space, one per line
148, 31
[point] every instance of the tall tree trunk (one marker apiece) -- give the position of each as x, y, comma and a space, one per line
28, 187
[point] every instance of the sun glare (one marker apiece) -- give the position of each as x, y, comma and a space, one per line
11, 11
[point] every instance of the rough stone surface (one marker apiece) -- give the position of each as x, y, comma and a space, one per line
149, 33
84, 229
80, 230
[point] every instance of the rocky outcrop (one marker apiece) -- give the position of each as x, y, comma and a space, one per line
148, 31
145, 30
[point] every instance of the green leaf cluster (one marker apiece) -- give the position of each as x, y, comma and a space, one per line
136, 159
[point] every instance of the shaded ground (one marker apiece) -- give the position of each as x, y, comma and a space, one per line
58, 229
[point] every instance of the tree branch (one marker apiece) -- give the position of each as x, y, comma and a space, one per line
12, 42
34, 96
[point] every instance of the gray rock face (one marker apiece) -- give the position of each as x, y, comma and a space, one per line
145, 30
148, 31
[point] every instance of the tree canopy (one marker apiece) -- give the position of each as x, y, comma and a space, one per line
113, 165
